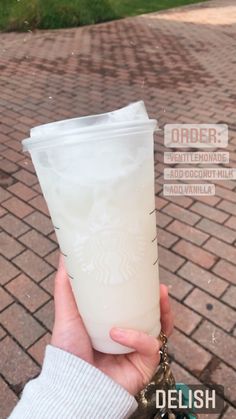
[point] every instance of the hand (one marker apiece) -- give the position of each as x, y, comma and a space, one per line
132, 371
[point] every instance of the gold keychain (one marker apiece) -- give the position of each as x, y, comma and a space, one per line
163, 379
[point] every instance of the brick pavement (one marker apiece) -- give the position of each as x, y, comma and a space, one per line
181, 63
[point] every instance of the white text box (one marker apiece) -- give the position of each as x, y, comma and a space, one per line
196, 135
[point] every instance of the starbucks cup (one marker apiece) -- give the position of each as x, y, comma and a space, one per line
97, 177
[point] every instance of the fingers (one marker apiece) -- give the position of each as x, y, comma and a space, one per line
167, 322
65, 305
140, 341
137, 340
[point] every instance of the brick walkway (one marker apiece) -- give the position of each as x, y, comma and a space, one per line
182, 64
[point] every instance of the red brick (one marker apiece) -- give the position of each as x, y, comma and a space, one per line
9, 246
182, 376
15, 365
203, 279
2, 333
5, 128
187, 232
38, 189
231, 222
162, 219
21, 325
26, 164
26, 120
37, 242
8, 400
217, 230
16, 135
5, 299
230, 296
53, 258
188, 353
22, 191
181, 214
3, 137
226, 270
48, 283
184, 318
4, 194
33, 265
216, 341
166, 239
8, 270
6, 118
27, 292
22, 127
13, 225
40, 204
53, 237
160, 202
46, 315
230, 413
208, 200
40, 222
26, 177
221, 249
178, 287
182, 201
158, 188
2, 211
226, 194
8, 167
169, 260
209, 212
159, 167
15, 145
229, 379
227, 207
12, 155
2, 147
17, 207
211, 415
195, 254
211, 308
38, 349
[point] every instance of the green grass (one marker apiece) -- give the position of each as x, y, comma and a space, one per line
136, 7
51, 14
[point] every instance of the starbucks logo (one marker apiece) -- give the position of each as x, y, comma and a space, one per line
110, 256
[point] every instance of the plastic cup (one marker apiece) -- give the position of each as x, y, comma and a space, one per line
97, 177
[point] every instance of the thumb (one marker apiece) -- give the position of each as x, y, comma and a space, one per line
65, 305
167, 322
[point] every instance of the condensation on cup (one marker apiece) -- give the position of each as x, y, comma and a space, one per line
97, 176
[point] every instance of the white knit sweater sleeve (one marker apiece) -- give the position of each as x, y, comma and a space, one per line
70, 388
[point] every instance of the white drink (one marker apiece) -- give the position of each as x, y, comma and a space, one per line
100, 194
